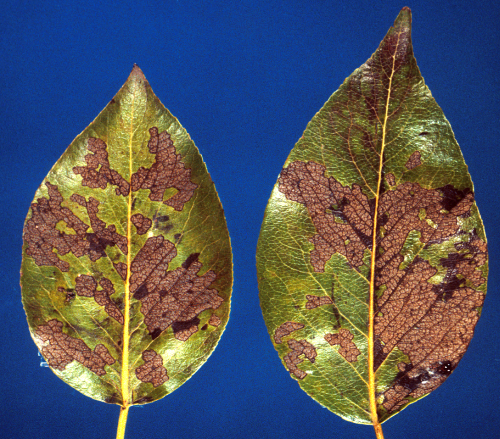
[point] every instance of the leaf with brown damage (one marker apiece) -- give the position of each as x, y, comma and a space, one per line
372, 253
126, 256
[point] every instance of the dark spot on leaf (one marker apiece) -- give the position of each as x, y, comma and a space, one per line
383, 219
166, 228
182, 326
204, 327
423, 133
159, 222
452, 196
70, 293
446, 368
190, 259
163, 293
412, 383
156, 332
461, 267
378, 354
141, 292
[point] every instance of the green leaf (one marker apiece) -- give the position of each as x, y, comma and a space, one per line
127, 266
372, 254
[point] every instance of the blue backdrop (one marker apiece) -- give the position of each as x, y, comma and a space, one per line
244, 78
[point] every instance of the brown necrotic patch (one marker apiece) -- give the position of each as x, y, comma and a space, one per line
167, 172
286, 329
141, 223
347, 349
430, 323
299, 348
43, 236
214, 321
60, 349
87, 286
152, 371
315, 301
171, 298
98, 173
121, 269
413, 161
342, 216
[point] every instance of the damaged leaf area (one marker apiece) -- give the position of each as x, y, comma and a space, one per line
127, 266
372, 257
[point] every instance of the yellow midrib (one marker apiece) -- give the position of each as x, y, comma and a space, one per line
125, 384
371, 314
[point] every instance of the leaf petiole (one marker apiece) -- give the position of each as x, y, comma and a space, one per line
122, 422
378, 431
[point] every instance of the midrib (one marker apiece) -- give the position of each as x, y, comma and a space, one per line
125, 385
371, 311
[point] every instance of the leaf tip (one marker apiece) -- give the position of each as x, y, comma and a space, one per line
404, 16
137, 73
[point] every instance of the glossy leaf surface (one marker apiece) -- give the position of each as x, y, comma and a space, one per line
372, 257
127, 267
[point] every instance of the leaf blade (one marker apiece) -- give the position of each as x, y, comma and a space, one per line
130, 180
379, 135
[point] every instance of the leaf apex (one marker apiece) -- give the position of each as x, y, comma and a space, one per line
404, 16
137, 73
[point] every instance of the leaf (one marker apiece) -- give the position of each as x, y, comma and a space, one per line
127, 270
371, 312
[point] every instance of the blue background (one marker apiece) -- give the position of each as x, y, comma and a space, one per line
244, 78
